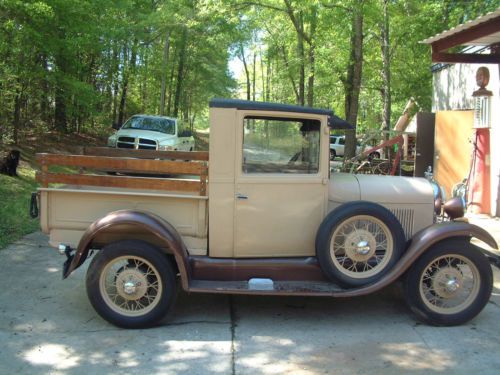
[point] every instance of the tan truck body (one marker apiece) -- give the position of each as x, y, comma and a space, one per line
263, 215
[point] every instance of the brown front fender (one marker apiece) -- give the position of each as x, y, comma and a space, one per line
420, 243
146, 221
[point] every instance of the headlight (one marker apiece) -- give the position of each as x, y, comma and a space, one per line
112, 141
455, 208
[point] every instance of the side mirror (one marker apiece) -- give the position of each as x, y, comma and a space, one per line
186, 133
116, 126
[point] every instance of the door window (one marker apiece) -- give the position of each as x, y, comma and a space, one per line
280, 145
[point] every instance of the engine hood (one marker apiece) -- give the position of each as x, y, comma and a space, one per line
345, 187
148, 134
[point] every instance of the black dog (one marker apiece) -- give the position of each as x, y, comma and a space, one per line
9, 163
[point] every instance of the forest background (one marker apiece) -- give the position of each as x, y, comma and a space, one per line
77, 66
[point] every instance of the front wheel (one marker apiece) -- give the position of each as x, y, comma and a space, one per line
358, 243
450, 284
131, 284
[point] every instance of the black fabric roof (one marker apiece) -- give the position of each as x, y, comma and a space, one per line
333, 121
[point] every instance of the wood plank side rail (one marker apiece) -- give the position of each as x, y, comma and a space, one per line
126, 165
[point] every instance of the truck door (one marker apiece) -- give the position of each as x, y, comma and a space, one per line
280, 184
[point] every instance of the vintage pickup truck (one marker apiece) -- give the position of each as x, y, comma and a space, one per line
263, 214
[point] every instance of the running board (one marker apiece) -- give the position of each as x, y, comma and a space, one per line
283, 288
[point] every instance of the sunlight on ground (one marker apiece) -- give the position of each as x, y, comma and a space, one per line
267, 362
56, 356
273, 340
410, 356
178, 354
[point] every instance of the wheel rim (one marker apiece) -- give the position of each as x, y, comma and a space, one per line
130, 286
449, 284
361, 246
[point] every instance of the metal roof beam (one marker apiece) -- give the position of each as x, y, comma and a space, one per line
463, 37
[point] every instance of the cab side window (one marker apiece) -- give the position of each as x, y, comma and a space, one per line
280, 145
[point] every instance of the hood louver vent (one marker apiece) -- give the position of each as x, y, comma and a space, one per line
405, 217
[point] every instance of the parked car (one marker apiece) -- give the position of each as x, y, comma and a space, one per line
147, 132
273, 220
337, 145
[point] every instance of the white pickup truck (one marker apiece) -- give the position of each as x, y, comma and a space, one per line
262, 215
147, 132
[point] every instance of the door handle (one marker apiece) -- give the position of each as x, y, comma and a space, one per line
241, 196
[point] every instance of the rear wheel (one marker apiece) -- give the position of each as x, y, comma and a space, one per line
131, 284
450, 284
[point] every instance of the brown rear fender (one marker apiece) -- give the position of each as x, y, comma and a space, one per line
420, 243
147, 222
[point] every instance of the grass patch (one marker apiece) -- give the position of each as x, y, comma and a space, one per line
15, 194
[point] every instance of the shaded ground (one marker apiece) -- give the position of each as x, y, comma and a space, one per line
48, 326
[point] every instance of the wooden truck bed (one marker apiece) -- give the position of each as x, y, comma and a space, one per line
76, 190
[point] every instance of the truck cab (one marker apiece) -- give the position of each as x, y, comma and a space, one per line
269, 187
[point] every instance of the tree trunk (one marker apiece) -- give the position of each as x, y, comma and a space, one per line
166, 50
290, 75
60, 119
386, 69
301, 56
353, 81
17, 116
254, 76
170, 84
180, 72
60, 116
45, 103
245, 66
312, 59
115, 81
129, 71
262, 76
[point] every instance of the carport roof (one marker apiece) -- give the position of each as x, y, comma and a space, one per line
483, 31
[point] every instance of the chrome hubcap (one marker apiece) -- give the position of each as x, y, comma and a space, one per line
363, 248
129, 287
131, 284
360, 245
452, 285
447, 282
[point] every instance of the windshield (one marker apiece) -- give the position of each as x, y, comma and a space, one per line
155, 124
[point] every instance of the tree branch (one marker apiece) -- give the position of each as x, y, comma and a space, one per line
296, 23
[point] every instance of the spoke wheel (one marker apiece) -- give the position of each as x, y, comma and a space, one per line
361, 246
450, 284
358, 243
131, 284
